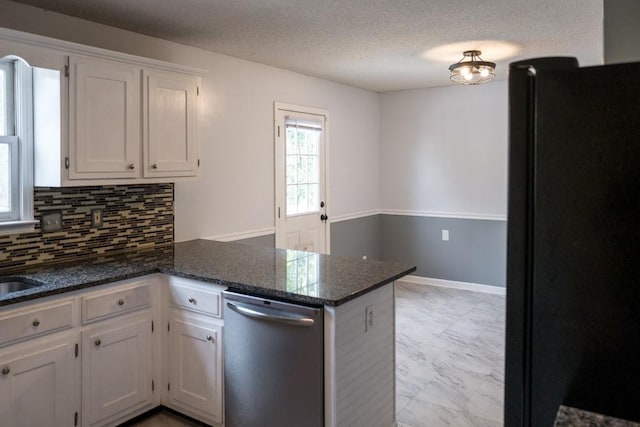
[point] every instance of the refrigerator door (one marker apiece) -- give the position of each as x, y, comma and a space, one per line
573, 294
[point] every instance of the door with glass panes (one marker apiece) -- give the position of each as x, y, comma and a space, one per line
301, 204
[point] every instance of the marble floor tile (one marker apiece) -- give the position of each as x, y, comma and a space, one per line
466, 419
444, 393
420, 413
450, 357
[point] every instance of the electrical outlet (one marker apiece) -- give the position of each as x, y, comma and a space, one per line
51, 221
368, 320
96, 217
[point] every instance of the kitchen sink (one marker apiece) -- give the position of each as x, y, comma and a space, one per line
14, 286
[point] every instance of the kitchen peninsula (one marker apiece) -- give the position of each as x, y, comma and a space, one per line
359, 352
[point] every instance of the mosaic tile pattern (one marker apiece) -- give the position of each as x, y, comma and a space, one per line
134, 216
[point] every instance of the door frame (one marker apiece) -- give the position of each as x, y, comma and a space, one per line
279, 195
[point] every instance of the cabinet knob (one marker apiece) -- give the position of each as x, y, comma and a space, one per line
154, 166
97, 342
209, 338
131, 166
6, 370
35, 323
121, 302
192, 300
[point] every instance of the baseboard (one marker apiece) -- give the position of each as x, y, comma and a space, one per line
467, 286
242, 235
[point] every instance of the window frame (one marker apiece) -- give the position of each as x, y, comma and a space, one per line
11, 141
21, 217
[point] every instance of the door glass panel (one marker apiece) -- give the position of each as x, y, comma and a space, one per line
303, 272
302, 165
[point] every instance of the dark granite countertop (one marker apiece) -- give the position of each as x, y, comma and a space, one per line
296, 276
572, 417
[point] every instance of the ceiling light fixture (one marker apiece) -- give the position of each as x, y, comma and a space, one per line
473, 71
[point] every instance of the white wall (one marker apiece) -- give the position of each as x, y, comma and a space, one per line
444, 150
235, 192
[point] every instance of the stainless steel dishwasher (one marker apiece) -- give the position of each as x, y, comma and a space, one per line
273, 363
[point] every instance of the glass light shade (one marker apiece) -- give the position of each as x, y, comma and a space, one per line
473, 71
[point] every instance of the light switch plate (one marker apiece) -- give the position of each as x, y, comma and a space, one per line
51, 221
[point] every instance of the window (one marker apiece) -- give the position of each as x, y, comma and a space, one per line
302, 166
16, 147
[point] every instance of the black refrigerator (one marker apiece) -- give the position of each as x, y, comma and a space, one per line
573, 251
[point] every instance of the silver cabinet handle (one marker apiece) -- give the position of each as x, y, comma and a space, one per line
120, 302
192, 300
209, 338
35, 323
131, 166
98, 342
6, 370
255, 314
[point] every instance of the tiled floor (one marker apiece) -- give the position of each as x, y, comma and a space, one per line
450, 359
164, 419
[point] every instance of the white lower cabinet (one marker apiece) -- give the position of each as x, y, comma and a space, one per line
96, 357
37, 383
116, 368
195, 365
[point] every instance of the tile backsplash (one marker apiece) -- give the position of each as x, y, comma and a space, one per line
134, 216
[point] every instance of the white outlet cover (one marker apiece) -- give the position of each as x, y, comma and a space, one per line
445, 235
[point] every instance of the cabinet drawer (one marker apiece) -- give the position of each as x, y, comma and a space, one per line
196, 299
106, 305
39, 321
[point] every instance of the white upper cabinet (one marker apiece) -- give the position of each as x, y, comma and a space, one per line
170, 105
104, 119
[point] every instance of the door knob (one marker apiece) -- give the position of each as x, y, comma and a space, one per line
323, 217
322, 204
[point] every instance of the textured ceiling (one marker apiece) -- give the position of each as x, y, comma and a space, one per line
374, 44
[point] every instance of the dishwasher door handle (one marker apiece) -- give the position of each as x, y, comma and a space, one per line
256, 314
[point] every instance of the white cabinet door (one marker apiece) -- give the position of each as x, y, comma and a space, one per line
104, 119
37, 385
116, 368
170, 124
195, 372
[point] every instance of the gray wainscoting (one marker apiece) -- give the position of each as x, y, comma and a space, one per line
476, 251
261, 241
357, 237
